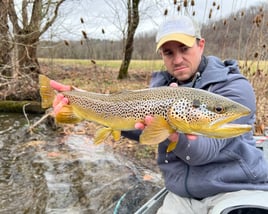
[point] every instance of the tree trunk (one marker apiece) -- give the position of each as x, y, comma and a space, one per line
5, 59
26, 26
31, 107
133, 22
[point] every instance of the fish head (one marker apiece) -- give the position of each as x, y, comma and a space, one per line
208, 114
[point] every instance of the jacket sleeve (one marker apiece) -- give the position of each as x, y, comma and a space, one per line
133, 135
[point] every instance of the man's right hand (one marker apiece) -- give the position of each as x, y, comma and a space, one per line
59, 100
60, 87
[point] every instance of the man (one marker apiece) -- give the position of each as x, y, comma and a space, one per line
205, 175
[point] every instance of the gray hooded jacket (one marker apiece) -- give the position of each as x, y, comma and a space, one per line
207, 166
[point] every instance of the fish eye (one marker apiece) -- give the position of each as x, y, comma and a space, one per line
219, 109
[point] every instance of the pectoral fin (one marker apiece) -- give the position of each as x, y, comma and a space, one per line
156, 132
67, 115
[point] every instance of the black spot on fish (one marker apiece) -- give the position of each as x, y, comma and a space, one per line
196, 103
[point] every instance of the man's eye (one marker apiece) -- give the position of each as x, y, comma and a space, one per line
167, 53
184, 49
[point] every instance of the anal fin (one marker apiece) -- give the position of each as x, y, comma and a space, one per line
102, 134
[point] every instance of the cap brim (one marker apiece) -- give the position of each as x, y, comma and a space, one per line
178, 37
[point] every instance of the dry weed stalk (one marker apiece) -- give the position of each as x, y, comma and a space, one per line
259, 81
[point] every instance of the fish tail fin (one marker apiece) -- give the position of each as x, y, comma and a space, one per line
46, 91
67, 115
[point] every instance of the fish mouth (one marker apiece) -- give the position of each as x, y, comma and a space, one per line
222, 127
226, 121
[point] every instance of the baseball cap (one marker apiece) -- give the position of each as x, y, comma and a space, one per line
182, 29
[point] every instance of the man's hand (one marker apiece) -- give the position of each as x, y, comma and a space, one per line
60, 87
59, 100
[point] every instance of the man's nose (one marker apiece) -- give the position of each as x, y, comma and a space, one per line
177, 57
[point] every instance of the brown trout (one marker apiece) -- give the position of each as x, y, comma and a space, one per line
181, 109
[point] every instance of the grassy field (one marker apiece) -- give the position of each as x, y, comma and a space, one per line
144, 65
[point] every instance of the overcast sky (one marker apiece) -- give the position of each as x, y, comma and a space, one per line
110, 16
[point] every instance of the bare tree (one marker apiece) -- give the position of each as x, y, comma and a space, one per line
28, 24
133, 22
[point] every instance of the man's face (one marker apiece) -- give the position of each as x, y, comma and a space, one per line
180, 60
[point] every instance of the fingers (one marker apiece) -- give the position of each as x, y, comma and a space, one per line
147, 120
59, 102
173, 84
191, 137
140, 126
57, 99
174, 137
59, 87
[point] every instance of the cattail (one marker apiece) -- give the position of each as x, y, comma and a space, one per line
84, 34
242, 13
214, 27
193, 14
175, 2
214, 4
264, 45
224, 22
256, 55
178, 8
234, 18
81, 42
185, 3
93, 61
102, 30
210, 14
218, 8
66, 43
192, 3
82, 20
257, 20
165, 12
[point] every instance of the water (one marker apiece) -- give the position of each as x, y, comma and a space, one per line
48, 172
